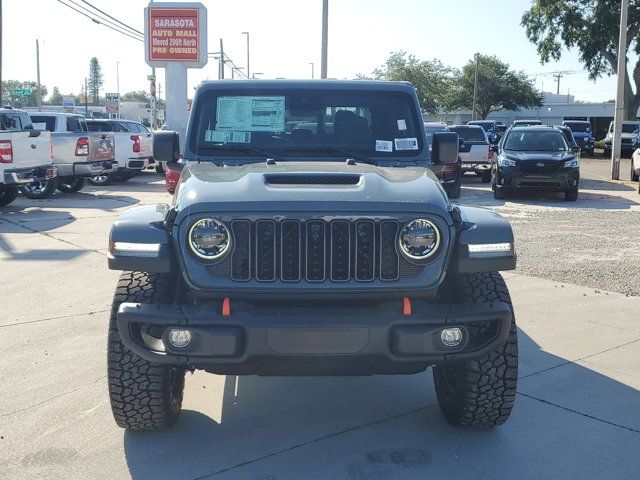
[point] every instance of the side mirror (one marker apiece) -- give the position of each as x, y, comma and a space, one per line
166, 147
445, 147
460, 143
495, 138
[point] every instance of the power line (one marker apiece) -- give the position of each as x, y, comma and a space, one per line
112, 18
94, 20
103, 20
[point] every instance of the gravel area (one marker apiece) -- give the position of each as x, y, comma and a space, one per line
593, 248
594, 242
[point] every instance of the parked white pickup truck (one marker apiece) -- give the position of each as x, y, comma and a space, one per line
474, 152
25, 154
77, 153
134, 148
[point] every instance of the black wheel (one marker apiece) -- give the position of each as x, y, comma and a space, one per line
480, 393
123, 175
499, 193
159, 167
71, 184
571, 196
144, 395
102, 180
7, 195
485, 176
40, 190
634, 175
454, 190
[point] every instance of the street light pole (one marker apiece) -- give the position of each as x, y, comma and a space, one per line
621, 74
312, 70
475, 88
38, 91
325, 40
248, 71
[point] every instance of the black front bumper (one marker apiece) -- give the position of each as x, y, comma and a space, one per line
566, 179
313, 340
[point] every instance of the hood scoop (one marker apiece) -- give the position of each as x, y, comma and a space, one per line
322, 179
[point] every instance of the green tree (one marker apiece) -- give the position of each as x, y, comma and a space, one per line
56, 97
431, 78
95, 80
137, 96
8, 97
591, 26
498, 88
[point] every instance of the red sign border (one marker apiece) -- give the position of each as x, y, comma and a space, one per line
150, 10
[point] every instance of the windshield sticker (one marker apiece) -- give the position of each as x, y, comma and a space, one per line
384, 146
227, 137
402, 124
406, 143
250, 114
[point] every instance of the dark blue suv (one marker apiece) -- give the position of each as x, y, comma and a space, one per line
582, 133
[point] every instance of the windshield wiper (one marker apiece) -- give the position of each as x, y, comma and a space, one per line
246, 149
335, 151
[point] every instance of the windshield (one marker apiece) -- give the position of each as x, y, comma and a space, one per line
626, 128
486, 125
535, 141
430, 130
580, 127
470, 134
312, 122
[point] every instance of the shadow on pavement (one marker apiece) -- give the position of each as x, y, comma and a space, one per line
340, 423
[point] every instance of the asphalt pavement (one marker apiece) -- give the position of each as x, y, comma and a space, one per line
577, 412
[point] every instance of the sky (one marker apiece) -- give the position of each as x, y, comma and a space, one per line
285, 37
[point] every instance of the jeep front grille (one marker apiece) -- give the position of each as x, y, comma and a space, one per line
315, 251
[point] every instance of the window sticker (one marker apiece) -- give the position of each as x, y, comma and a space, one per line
402, 124
384, 146
406, 143
225, 136
250, 114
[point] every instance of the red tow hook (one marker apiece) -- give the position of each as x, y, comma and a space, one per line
226, 307
406, 306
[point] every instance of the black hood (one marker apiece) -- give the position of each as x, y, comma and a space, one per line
312, 186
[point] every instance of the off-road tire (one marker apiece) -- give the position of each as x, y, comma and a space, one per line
499, 193
123, 176
634, 175
159, 167
46, 190
72, 185
480, 393
144, 395
7, 195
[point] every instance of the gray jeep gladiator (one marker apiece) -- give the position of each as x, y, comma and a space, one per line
308, 236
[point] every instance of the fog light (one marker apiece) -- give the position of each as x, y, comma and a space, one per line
179, 337
451, 337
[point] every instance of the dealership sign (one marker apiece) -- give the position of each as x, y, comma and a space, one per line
112, 102
176, 32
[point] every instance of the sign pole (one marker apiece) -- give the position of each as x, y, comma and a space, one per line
621, 72
176, 103
39, 91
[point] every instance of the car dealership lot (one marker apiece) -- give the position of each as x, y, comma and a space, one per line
577, 299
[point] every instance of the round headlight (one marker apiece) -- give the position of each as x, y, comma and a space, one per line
419, 239
209, 238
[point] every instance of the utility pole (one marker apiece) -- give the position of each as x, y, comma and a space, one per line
312, 70
154, 101
475, 88
248, 71
325, 39
221, 64
558, 76
1, 54
38, 92
621, 74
